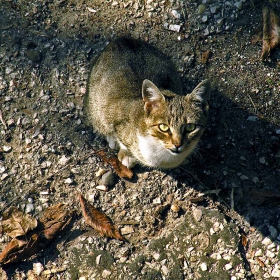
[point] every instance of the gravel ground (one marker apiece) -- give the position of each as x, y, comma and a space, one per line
217, 216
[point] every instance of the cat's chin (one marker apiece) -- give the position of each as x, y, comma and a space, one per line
153, 154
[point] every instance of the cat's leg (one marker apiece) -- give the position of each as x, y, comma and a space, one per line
113, 144
125, 157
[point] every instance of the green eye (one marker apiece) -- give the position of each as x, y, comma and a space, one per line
163, 127
190, 127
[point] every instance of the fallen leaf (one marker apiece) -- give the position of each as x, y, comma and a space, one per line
53, 221
244, 240
205, 57
99, 221
121, 170
271, 32
16, 223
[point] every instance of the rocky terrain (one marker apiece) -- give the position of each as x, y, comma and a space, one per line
215, 217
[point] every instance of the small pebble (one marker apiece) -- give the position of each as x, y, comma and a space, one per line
63, 160
273, 231
174, 27
106, 273
108, 179
228, 266
29, 208
102, 188
276, 271
176, 14
97, 260
259, 253
262, 160
201, 9
38, 268
197, 214
267, 241
203, 266
127, 230
7, 149
175, 208
69, 181
157, 200
252, 118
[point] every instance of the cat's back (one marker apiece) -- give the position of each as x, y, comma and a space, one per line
126, 62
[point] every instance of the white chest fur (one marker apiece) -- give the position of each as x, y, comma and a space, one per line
154, 154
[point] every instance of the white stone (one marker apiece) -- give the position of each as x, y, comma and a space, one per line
276, 271
69, 181
164, 269
156, 256
266, 241
106, 273
203, 266
176, 14
216, 256
270, 254
259, 253
127, 230
174, 27
38, 268
97, 260
228, 266
63, 160
29, 208
7, 149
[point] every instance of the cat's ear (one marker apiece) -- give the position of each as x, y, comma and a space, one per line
151, 95
201, 93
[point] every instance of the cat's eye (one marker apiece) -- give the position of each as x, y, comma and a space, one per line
190, 127
163, 127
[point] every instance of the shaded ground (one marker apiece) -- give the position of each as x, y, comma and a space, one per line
185, 223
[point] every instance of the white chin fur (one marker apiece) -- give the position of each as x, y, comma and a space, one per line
155, 155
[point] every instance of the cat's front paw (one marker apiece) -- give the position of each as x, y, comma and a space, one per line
113, 144
126, 159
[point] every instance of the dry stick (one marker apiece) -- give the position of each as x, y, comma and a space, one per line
253, 103
2, 120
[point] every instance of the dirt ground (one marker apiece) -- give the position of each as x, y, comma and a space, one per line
217, 216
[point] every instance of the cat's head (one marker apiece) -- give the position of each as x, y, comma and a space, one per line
174, 123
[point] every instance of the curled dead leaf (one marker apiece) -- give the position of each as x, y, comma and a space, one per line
99, 221
271, 32
16, 223
121, 170
53, 221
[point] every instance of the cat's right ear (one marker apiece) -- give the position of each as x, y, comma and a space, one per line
151, 96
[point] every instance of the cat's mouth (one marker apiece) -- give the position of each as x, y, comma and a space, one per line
173, 151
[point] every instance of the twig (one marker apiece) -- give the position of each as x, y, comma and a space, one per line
2, 120
253, 103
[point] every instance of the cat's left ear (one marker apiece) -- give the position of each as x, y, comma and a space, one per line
201, 94
151, 95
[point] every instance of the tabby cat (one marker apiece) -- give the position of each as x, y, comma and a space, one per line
135, 99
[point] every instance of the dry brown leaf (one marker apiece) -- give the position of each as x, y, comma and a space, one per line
121, 170
53, 221
16, 223
205, 56
271, 32
98, 220
244, 240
